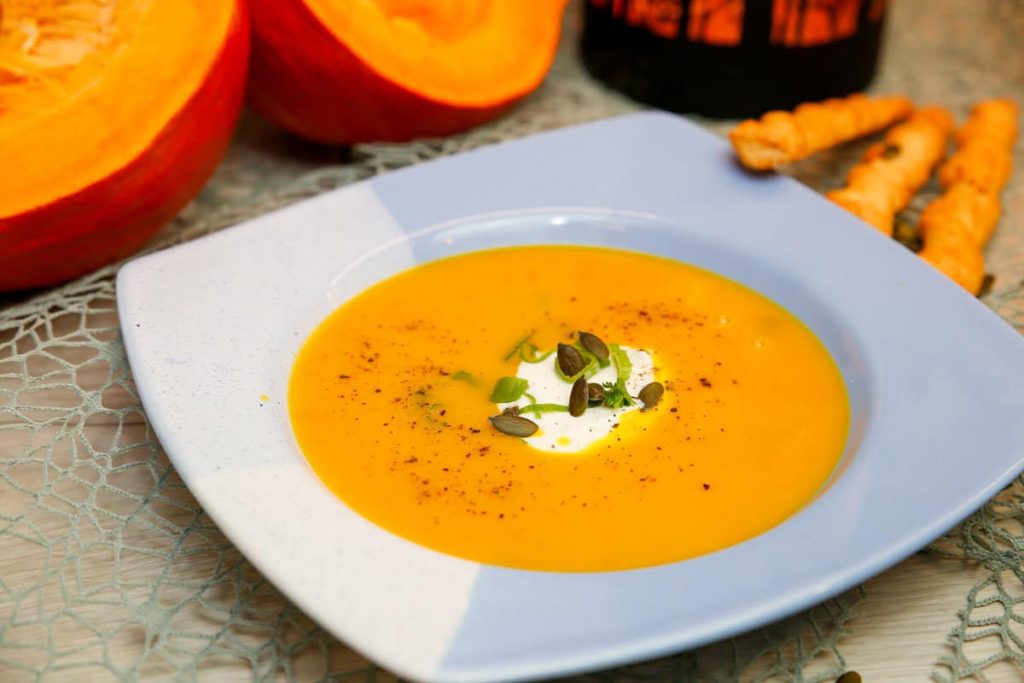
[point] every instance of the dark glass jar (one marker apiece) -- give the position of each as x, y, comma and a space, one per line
732, 58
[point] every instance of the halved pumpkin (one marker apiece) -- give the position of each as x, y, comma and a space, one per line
344, 71
113, 114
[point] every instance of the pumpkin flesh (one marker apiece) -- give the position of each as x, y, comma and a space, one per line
112, 116
396, 69
462, 52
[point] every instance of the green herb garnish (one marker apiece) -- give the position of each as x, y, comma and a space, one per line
587, 355
616, 395
509, 389
527, 351
591, 359
531, 354
623, 366
463, 376
518, 347
589, 369
538, 408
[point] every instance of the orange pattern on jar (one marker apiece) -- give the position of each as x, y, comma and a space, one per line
716, 22
805, 23
795, 23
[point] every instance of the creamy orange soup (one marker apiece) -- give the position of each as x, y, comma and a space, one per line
390, 399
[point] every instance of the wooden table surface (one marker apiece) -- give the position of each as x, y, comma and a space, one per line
950, 51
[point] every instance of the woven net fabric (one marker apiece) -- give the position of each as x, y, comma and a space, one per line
988, 640
109, 569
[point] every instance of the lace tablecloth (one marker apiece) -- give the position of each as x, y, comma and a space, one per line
109, 570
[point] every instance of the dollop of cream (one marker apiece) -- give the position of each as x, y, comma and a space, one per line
563, 433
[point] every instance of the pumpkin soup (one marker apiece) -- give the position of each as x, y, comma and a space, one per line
673, 412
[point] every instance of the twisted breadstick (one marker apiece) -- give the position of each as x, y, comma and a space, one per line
893, 170
984, 155
956, 226
780, 137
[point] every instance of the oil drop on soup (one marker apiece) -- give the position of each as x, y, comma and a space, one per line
390, 399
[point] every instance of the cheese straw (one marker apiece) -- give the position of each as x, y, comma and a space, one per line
956, 226
893, 170
780, 137
984, 155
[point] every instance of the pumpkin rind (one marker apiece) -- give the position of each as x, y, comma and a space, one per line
114, 216
306, 79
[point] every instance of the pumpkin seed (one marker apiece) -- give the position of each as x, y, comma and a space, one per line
514, 425
578, 397
849, 677
595, 393
570, 362
594, 344
511, 410
651, 394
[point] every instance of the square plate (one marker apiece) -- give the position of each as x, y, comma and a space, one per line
936, 384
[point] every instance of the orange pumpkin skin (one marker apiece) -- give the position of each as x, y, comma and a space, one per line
115, 216
305, 79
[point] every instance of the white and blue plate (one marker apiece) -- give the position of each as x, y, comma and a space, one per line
935, 379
